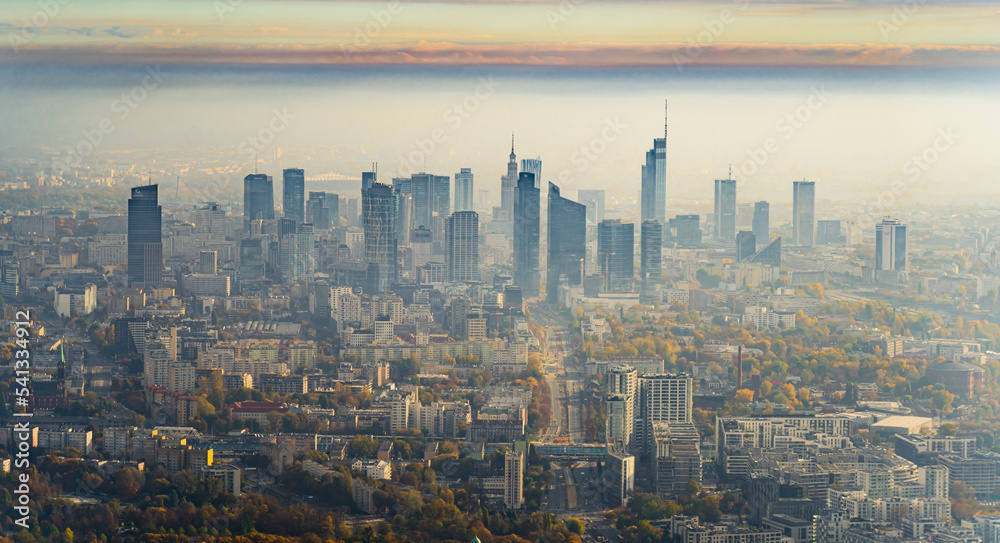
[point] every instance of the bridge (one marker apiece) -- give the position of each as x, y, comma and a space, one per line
570, 450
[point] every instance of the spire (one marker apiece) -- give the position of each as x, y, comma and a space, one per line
664, 119
512, 157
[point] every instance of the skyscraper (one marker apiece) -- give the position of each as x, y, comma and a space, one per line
251, 260
367, 178
431, 203
746, 245
145, 244
594, 200
533, 165
567, 243
464, 190
462, 246
762, 222
616, 251
725, 209
508, 185
653, 196
404, 217
378, 214
686, 230
650, 257
527, 218
323, 210
258, 197
293, 190
803, 212
647, 187
890, 248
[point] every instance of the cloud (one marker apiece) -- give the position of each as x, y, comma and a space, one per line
566, 54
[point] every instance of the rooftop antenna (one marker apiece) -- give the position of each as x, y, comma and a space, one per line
730, 171
664, 121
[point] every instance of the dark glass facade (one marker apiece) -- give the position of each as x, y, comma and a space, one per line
293, 191
527, 226
567, 243
145, 244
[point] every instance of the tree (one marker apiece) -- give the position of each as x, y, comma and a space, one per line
744, 395
363, 447
765, 388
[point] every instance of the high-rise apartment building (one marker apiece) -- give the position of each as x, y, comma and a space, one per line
462, 246
623, 386
513, 472
666, 397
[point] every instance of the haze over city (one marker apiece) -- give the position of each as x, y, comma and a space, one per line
577, 271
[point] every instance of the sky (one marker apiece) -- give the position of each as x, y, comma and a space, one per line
870, 99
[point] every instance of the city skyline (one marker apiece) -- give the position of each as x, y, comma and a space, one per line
273, 271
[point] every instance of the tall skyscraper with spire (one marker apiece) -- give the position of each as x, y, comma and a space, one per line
653, 195
725, 209
508, 184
